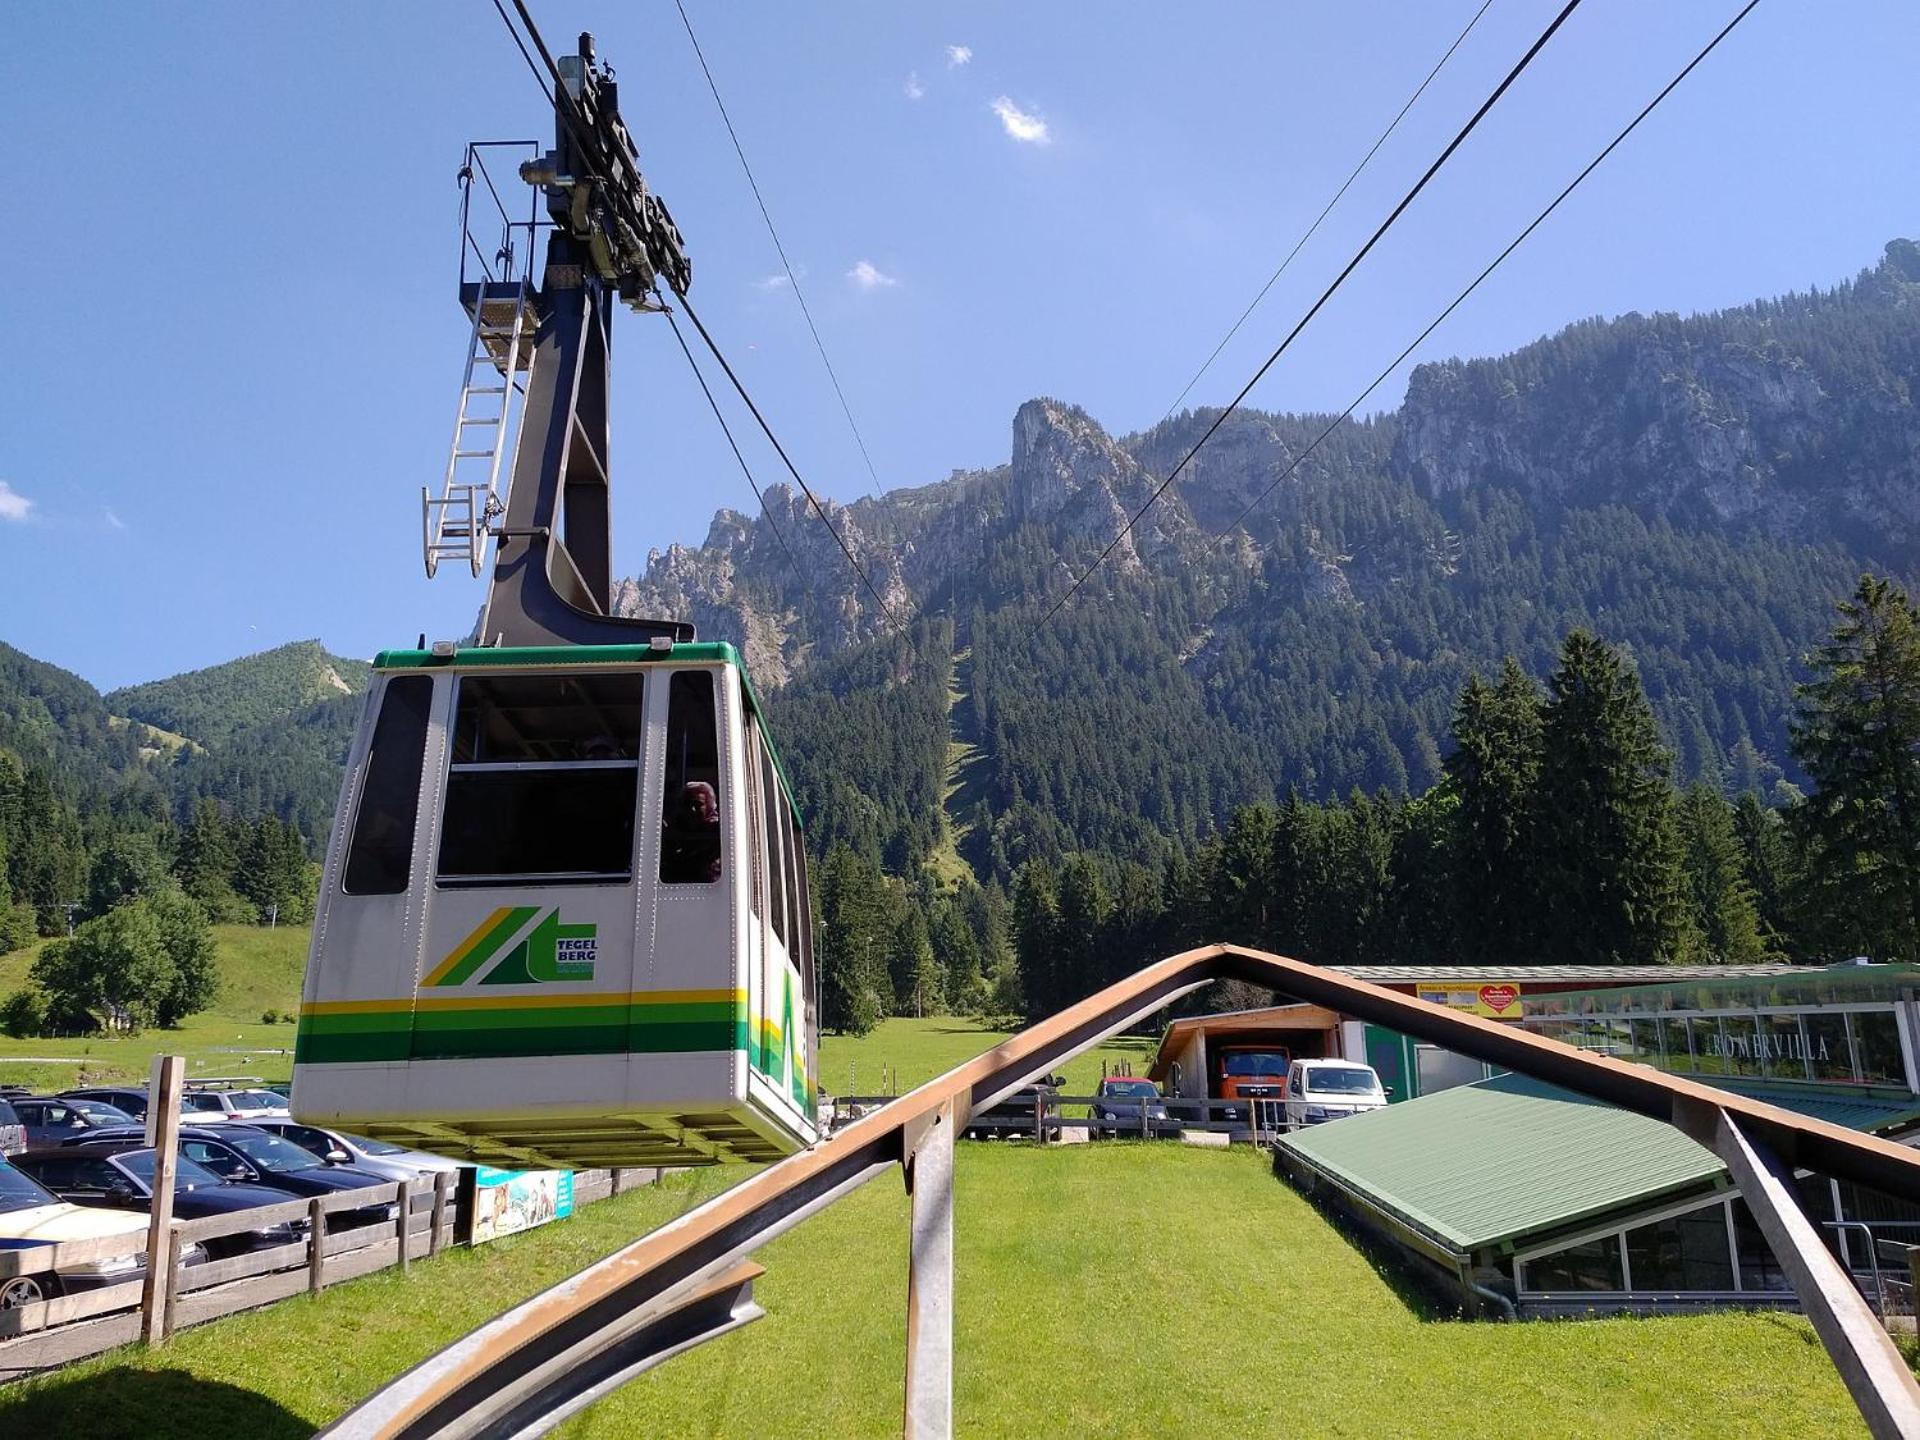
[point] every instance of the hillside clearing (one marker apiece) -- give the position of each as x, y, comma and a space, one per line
1108, 1290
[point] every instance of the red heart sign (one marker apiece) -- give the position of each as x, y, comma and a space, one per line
1499, 997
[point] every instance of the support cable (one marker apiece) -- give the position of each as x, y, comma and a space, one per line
781, 450
1345, 185
1498, 260
733, 445
792, 279
564, 107
1338, 280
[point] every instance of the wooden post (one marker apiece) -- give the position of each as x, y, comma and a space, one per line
316, 1243
404, 1225
173, 1279
439, 1211
163, 1133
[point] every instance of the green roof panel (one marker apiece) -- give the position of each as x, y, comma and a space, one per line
1491, 1162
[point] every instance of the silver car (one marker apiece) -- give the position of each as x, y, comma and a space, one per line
390, 1162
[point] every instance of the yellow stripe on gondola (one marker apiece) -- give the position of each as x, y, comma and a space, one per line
481, 933
512, 1002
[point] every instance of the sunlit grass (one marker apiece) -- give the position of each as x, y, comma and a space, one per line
1100, 1290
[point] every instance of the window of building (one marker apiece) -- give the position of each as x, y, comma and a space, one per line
1682, 1252
1709, 1045
1739, 1047
1644, 1040
542, 781
1594, 1265
1673, 1042
1829, 1055
1758, 1269
380, 855
1784, 1045
1876, 1045
690, 835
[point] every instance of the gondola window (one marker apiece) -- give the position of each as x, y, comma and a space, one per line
380, 858
542, 781
690, 829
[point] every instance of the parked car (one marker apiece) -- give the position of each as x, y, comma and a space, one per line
50, 1121
31, 1215
128, 1098
1322, 1090
250, 1156
1014, 1115
1118, 1106
250, 1104
1249, 1073
118, 1175
336, 1147
13, 1130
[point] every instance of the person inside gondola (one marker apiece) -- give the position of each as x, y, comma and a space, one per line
690, 848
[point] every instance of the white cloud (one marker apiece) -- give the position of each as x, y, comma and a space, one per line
771, 282
869, 276
1026, 126
13, 505
958, 55
913, 88
114, 521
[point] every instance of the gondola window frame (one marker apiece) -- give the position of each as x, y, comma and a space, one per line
391, 781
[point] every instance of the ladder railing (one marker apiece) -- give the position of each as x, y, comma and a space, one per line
457, 522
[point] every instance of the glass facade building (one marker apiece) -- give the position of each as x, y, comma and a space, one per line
1848, 1025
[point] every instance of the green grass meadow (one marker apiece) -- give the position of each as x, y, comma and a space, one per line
1101, 1290
260, 970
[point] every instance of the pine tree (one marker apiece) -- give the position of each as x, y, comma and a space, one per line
1494, 768
1036, 936
1858, 738
1766, 862
1722, 901
911, 968
1242, 879
852, 938
1610, 885
1085, 904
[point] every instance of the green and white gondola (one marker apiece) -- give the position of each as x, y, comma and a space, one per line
564, 916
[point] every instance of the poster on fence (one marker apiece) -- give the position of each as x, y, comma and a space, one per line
508, 1201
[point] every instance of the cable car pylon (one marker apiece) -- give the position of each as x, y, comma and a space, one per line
563, 919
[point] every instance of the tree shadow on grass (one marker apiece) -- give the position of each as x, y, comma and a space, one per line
135, 1404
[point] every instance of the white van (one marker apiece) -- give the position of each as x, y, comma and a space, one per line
1320, 1090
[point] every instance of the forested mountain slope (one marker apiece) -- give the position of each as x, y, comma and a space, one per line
1697, 489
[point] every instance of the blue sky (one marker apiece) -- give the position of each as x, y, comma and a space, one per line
231, 241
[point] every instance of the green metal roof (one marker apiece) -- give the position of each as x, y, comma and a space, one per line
1874, 1110
1494, 1161
1502, 1159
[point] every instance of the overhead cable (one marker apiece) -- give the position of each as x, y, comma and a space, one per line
1498, 260
1338, 280
781, 451
733, 445
1327, 210
793, 280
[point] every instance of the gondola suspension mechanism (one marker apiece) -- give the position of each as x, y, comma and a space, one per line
563, 918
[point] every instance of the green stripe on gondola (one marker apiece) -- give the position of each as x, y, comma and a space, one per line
490, 1033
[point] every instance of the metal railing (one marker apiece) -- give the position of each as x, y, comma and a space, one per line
551, 1355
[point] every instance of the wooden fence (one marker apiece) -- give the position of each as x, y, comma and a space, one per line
70, 1327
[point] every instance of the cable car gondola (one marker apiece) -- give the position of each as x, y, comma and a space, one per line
564, 915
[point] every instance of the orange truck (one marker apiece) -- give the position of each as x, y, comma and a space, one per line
1249, 1072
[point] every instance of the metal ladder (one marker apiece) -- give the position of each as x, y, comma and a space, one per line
457, 521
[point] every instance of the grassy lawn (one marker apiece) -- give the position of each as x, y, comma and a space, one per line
1101, 1290
918, 1050
259, 970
